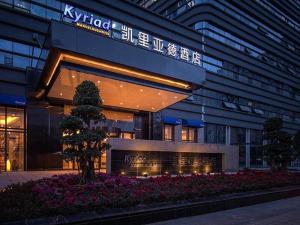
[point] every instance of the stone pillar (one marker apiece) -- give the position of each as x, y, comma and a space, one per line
177, 133
200, 135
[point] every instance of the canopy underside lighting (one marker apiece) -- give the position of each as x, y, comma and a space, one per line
114, 92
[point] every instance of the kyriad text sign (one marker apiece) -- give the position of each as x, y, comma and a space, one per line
87, 20
130, 35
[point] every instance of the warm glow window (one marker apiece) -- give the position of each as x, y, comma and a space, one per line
168, 132
188, 134
127, 135
12, 136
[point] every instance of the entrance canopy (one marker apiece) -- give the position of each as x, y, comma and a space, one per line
115, 93
128, 76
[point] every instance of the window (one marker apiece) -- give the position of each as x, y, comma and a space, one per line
215, 133
168, 132
12, 136
127, 135
38, 10
238, 136
6, 58
21, 62
22, 5
5, 45
14, 54
189, 134
256, 153
6, 2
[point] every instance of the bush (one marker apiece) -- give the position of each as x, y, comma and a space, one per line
64, 194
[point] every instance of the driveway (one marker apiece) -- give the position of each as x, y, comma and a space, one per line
282, 212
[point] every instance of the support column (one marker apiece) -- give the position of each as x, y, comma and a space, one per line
108, 161
200, 135
227, 135
177, 133
265, 164
248, 141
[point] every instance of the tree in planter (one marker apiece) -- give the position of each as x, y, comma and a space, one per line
82, 135
278, 149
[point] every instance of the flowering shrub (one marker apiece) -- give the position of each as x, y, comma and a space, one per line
64, 195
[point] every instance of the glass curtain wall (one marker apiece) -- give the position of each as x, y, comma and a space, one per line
12, 139
215, 134
256, 154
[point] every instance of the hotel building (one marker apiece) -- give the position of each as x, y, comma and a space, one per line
186, 84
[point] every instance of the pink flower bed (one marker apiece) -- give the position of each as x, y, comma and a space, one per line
64, 195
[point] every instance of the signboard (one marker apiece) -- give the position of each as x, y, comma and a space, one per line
130, 35
158, 163
87, 20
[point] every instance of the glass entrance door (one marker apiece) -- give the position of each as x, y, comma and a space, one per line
12, 137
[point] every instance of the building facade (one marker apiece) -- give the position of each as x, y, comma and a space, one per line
186, 85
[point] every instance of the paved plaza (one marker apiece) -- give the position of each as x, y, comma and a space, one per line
282, 212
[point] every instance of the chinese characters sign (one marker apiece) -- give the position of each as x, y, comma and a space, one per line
132, 36
159, 45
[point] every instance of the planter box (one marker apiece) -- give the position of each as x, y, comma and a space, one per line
167, 211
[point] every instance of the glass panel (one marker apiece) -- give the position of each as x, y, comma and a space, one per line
68, 165
2, 117
6, 2
2, 151
53, 14
37, 52
168, 132
103, 163
211, 136
192, 134
256, 137
5, 45
127, 135
54, 3
15, 118
21, 48
38, 10
221, 134
6, 58
184, 134
20, 61
22, 5
15, 151
238, 136
256, 156
242, 155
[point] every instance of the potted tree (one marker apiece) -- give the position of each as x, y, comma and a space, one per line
82, 134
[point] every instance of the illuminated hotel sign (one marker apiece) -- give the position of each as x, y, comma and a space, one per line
129, 35
87, 21
159, 45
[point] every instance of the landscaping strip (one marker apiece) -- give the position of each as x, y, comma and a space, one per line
135, 216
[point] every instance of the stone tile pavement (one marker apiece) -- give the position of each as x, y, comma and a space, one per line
24, 176
281, 212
